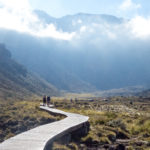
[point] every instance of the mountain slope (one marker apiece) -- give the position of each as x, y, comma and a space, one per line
45, 60
16, 81
102, 55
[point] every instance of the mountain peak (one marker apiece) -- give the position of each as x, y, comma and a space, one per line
86, 18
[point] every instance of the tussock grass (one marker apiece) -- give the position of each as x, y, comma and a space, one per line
19, 116
129, 123
71, 146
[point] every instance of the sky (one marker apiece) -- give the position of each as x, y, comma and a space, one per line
18, 15
121, 8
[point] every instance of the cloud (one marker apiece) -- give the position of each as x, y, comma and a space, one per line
129, 5
15, 4
51, 31
140, 27
129, 9
83, 29
106, 35
17, 15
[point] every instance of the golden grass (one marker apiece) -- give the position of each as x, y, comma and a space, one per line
107, 126
19, 116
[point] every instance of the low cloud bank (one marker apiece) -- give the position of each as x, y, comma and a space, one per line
18, 15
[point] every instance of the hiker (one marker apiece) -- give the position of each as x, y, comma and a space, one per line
76, 100
44, 100
48, 100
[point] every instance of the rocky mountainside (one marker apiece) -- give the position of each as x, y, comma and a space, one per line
75, 22
17, 82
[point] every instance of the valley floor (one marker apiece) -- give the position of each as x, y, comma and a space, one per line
116, 123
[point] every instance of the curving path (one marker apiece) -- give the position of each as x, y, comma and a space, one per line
40, 138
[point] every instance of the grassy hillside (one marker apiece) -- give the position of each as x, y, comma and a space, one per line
17, 82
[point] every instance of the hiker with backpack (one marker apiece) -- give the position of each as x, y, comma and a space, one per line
48, 100
44, 100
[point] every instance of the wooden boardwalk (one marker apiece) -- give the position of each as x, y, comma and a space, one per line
40, 138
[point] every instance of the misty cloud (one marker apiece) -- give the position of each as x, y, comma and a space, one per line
108, 34
18, 15
104, 51
139, 27
128, 5
129, 9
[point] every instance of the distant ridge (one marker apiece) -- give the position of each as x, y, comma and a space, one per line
66, 24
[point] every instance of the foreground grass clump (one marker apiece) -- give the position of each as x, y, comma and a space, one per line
19, 116
114, 123
71, 146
